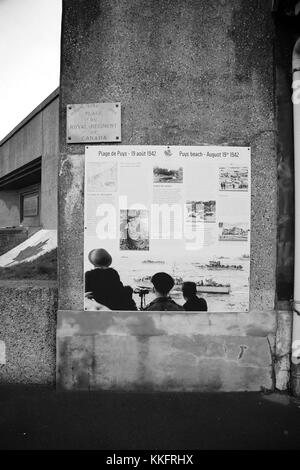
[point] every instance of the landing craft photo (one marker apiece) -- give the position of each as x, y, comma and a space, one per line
150, 261
218, 266
212, 287
206, 286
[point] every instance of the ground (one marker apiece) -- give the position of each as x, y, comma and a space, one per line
45, 419
42, 268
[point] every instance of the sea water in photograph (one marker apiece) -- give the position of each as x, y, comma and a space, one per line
223, 282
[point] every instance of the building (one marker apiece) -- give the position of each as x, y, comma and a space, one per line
186, 73
28, 174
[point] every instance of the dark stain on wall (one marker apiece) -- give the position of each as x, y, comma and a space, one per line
287, 32
249, 37
243, 348
10, 238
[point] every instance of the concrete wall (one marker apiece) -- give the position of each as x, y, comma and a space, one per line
50, 166
33, 222
186, 73
170, 351
22, 147
9, 209
10, 202
284, 45
27, 332
37, 137
11, 237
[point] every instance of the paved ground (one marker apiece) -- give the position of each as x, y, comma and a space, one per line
41, 419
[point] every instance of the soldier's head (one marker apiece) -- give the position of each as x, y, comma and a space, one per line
100, 258
162, 283
189, 290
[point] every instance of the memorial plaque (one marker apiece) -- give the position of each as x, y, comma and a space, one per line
93, 122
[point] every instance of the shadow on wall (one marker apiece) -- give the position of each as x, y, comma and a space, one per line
11, 237
9, 209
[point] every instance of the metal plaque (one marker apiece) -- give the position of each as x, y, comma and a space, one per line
93, 122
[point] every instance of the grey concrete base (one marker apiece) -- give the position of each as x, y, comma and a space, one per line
283, 346
27, 332
168, 351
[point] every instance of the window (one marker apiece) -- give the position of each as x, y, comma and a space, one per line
30, 205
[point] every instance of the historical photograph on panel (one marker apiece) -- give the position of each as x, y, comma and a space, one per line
233, 179
235, 232
169, 174
219, 279
134, 230
201, 211
171, 228
102, 176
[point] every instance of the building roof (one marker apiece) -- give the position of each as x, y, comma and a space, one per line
30, 116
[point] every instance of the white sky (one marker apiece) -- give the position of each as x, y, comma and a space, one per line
29, 57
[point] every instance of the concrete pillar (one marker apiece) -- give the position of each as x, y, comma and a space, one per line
189, 73
186, 73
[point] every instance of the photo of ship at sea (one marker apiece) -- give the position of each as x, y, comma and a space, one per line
225, 286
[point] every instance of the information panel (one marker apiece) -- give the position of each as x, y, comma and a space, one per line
181, 210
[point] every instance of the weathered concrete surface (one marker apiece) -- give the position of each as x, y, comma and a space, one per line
28, 329
170, 363
22, 147
284, 44
70, 214
50, 165
11, 237
282, 356
186, 73
72, 323
167, 351
9, 209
